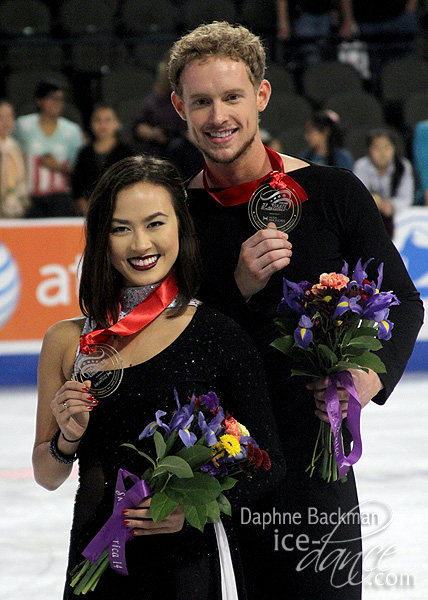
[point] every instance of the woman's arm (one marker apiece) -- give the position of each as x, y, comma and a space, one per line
62, 405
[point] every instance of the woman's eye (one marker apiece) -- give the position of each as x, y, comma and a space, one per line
154, 224
119, 229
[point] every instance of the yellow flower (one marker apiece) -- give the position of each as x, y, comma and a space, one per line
230, 444
217, 450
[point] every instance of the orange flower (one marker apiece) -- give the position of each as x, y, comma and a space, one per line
334, 280
232, 427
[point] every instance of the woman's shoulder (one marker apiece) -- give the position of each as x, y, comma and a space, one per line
219, 323
63, 333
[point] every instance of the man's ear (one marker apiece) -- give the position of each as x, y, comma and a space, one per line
178, 105
263, 95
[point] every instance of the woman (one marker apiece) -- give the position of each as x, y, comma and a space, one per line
324, 138
13, 185
104, 150
387, 175
139, 237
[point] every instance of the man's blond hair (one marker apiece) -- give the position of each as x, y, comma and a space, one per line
219, 39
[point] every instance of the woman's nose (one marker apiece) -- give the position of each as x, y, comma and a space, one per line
141, 241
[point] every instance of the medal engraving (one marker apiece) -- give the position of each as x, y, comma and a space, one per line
103, 366
279, 206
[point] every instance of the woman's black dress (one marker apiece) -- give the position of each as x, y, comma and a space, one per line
212, 353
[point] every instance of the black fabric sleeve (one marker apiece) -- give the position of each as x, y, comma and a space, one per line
365, 237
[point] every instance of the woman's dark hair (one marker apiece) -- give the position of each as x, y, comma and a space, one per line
398, 163
100, 282
325, 120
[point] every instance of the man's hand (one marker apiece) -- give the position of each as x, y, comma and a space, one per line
262, 255
366, 384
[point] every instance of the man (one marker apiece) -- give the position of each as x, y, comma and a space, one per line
217, 74
51, 143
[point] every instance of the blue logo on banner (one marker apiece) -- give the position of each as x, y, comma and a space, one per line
414, 251
9, 285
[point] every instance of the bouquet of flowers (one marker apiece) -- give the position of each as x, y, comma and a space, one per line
328, 328
198, 454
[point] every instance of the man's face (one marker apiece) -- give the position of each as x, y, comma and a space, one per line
221, 107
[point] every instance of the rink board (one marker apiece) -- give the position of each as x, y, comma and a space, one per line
39, 267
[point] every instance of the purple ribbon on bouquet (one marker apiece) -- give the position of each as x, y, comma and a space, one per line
334, 412
114, 533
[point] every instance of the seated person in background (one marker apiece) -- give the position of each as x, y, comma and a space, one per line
420, 157
387, 176
157, 123
324, 137
51, 143
13, 185
103, 151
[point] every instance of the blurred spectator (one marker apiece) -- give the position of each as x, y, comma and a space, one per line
307, 25
13, 185
105, 149
51, 143
157, 121
420, 157
324, 137
184, 155
389, 27
387, 175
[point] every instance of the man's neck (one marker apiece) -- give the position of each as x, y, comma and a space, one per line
252, 165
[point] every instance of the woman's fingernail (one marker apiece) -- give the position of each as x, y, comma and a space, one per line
89, 407
94, 401
133, 532
125, 513
90, 397
126, 522
85, 389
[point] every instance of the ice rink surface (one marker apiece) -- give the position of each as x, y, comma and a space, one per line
392, 481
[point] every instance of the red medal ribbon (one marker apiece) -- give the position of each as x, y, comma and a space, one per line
240, 194
142, 315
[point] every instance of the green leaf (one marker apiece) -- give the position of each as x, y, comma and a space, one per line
362, 331
371, 361
195, 456
227, 483
286, 325
175, 465
140, 452
329, 354
200, 489
159, 444
161, 506
213, 512
283, 344
196, 516
303, 373
368, 343
224, 505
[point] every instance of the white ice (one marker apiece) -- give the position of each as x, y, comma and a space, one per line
392, 480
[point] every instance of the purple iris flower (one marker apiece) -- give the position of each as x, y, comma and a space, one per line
209, 401
184, 415
152, 427
377, 307
212, 470
293, 293
303, 335
210, 436
385, 329
346, 304
215, 422
187, 437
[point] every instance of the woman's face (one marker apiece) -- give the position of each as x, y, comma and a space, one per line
7, 120
315, 138
381, 151
104, 123
144, 238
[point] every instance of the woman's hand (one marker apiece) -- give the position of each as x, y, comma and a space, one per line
140, 522
71, 407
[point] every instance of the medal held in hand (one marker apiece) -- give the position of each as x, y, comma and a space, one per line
103, 366
277, 200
